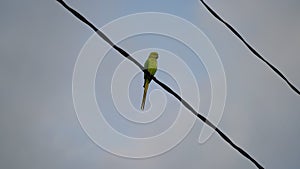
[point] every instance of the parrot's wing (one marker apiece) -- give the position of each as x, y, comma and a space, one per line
146, 64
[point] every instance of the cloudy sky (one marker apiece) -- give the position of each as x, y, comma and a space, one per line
41, 41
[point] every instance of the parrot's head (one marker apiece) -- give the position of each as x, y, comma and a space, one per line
153, 55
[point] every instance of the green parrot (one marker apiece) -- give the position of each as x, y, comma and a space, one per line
151, 66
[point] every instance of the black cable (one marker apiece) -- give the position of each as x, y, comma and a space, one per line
164, 86
250, 47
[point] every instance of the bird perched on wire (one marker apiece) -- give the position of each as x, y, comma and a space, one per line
151, 66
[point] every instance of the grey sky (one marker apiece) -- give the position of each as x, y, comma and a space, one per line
40, 42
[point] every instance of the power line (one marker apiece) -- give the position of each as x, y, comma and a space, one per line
164, 86
259, 56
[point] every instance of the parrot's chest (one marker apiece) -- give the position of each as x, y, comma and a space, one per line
152, 66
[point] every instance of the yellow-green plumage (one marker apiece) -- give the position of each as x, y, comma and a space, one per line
151, 66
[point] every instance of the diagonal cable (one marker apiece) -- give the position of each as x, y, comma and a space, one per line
259, 56
164, 86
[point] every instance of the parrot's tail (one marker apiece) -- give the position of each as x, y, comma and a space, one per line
144, 96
